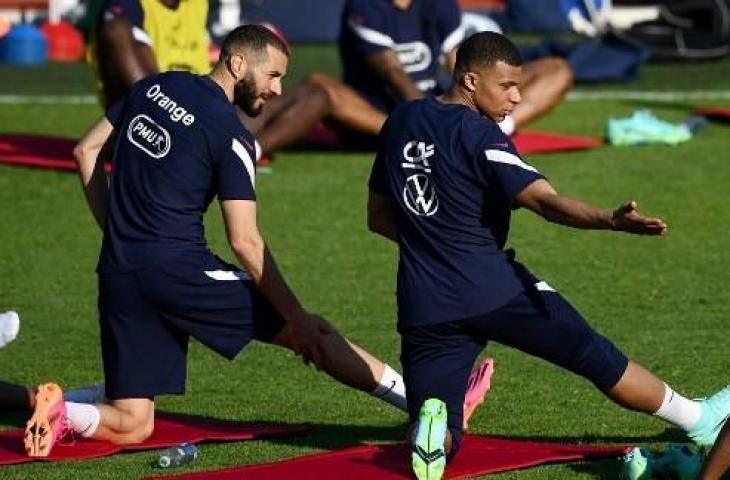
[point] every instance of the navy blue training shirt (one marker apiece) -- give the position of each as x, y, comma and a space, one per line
452, 176
419, 35
179, 144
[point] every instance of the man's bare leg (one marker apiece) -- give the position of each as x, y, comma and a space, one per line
348, 108
544, 83
289, 117
125, 421
718, 461
353, 366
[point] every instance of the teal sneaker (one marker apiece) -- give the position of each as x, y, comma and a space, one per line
428, 457
635, 466
683, 462
715, 412
642, 127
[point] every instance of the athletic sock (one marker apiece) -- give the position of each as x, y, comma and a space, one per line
508, 125
679, 410
9, 325
391, 389
83, 418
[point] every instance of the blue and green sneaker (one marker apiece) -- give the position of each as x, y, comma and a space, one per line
715, 412
635, 466
642, 127
428, 457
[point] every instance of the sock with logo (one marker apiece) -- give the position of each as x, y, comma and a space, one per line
679, 410
391, 389
83, 418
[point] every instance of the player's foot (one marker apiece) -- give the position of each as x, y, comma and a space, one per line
480, 381
428, 456
635, 466
48, 424
9, 326
715, 412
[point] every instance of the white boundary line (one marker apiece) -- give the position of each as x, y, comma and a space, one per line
47, 99
576, 95
654, 95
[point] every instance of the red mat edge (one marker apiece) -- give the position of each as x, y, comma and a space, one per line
606, 451
286, 430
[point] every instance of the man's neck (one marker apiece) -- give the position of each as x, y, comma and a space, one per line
458, 96
222, 79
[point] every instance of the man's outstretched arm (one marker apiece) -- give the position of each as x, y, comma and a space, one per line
251, 251
91, 168
541, 198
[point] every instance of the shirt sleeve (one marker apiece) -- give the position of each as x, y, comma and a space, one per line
234, 167
448, 24
378, 182
367, 24
114, 113
501, 164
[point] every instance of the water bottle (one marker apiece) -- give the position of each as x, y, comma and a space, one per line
178, 455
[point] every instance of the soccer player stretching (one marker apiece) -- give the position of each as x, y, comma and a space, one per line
443, 186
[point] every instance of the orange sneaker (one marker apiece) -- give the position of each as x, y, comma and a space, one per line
48, 424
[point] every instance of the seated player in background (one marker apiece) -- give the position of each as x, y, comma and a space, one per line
392, 51
443, 185
136, 38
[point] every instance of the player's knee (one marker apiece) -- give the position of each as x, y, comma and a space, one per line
322, 85
141, 430
560, 72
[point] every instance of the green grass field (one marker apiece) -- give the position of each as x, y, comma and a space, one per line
663, 300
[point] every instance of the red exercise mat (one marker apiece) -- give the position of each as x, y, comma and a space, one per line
38, 151
169, 430
721, 114
544, 142
527, 142
478, 456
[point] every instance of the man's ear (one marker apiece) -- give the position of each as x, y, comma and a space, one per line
469, 80
237, 65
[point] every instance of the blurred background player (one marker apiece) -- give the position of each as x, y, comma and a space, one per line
136, 38
392, 51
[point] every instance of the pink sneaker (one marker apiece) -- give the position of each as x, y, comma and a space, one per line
480, 381
48, 424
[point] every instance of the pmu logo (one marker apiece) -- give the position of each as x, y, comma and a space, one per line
414, 56
148, 136
420, 196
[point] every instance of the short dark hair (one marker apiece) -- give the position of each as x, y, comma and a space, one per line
252, 39
485, 49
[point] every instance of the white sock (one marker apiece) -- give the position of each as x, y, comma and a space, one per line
391, 389
679, 410
508, 125
259, 150
9, 326
83, 418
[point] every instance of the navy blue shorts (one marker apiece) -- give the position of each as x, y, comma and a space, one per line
437, 359
147, 317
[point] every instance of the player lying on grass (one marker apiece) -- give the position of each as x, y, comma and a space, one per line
443, 186
181, 145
